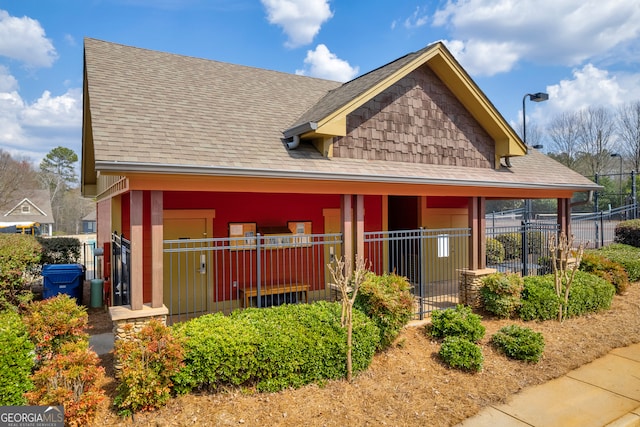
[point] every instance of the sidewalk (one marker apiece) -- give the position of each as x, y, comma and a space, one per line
605, 392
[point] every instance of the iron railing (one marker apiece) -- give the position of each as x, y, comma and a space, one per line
522, 249
222, 274
430, 259
121, 264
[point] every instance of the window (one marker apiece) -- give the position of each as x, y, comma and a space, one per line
26, 209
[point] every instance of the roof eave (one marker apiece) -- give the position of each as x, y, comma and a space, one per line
123, 168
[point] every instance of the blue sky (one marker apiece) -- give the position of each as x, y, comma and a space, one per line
582, 52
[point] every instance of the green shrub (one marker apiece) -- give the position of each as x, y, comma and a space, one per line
18, 254
54, 322
458, 352
588, 294
519, 343
60, 250
500, 293
626, 255
273, 348
495, 251
458, 322
148, 361
71, 378
628, 233
539, 300
387, 300
512, 243
16, 360
595, 263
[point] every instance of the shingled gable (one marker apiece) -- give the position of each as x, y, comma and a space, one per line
329, 116
148, 112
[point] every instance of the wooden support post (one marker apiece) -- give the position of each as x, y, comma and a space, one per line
346, 215
137, 250
157, 237
564, 215
477, 224
360, 225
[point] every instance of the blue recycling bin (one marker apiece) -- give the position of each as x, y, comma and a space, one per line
63, 279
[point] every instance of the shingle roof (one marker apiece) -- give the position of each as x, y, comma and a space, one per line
159, 112
39, 198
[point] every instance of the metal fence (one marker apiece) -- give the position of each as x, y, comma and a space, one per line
596, 230
522, 249
88, 259
121, 262
222, 274
430, 259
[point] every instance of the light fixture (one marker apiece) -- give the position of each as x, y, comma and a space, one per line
535, 97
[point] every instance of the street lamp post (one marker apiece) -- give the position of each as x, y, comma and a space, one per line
535, 97
619, 156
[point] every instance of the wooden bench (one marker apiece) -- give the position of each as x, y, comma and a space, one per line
283, 288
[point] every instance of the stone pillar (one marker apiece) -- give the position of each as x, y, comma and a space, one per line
121, 316
470, 284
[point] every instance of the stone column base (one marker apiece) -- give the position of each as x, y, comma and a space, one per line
138, 319
470, 284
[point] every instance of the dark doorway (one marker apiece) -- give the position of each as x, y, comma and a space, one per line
404, 243
403, 213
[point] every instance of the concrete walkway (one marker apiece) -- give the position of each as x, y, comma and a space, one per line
605, 392
101, 343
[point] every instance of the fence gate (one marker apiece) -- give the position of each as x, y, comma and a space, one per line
429, 259
121, 259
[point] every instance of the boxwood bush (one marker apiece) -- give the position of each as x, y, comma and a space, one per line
387, 300
519, 343
512, 244
458, 352
272, 348
16, 359
458, 322
500, 293
628, 233
626, 255
589, 293
495, 251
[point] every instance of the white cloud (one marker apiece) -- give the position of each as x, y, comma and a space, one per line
62, 111
484, 58
590, 86
24, 39
300, 19
554, 32
32, 130
323, 64
417, 19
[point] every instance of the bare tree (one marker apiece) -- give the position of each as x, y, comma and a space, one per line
348, 284
16, 176
597, 129
564, 131
628, 126
565, 260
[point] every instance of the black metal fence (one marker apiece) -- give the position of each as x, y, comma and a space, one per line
430, 259
522, 249
121, 264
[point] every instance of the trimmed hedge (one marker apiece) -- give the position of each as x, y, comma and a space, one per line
60, 250
626, 255
387, 300
458, 322
458, 352
500, 293
589, 293
16, 359
519, 343
628, 233
272, 348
